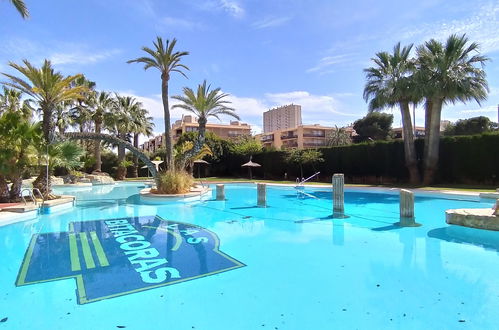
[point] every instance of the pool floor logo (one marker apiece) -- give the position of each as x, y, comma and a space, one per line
113, 257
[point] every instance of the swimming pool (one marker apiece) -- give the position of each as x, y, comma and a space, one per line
286, 266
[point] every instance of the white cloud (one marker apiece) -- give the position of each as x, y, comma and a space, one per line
326, 63
60, 53
79, 57
270, 22
232, 7
316, 109
479, 26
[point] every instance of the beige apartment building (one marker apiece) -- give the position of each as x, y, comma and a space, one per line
282, 118
301, 137
189, 124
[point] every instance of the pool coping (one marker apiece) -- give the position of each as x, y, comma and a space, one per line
394, 190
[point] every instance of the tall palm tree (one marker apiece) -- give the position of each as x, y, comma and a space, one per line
48, 89
119, 122
164, 58
21, 8
141, 123
390, 83
102, 105
203, 104
447, 72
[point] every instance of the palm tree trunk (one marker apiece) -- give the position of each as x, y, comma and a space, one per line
135, 171
47, 124
121, 157
4, 190
431, 159
427, 124
41, 182
166, 109
409, 147
15, 189
97, 151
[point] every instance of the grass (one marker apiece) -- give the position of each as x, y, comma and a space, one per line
434, 187
460, 187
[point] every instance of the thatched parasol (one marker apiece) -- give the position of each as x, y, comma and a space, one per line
199, 162
249, 165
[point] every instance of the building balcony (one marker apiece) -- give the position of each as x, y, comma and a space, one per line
290, 145
314, 135
287, 137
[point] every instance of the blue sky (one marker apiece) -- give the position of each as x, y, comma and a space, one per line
263, 52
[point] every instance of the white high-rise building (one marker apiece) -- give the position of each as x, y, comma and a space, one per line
285, 117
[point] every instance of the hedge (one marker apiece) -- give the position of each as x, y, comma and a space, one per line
463, 159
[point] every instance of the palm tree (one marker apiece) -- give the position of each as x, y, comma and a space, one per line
102, 106
203, 104
10, 100
49, 89
390, 83
19, 137
447, 73
21, 8
166, 60
119, 122
141, 123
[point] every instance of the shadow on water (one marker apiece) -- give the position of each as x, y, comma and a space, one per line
329, 217
486, 239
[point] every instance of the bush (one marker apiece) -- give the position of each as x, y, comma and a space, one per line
463, 160
174, 182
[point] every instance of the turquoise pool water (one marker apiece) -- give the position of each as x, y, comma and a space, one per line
287, 266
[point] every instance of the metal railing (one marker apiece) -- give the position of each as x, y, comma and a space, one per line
310, 177
32, 195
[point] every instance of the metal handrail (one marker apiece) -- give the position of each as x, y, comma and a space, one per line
39, 193
30, 195
310, 177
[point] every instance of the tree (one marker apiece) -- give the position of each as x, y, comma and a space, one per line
205, 103
19, 137
470, 126
303, 157
166, 60
10, 100
141, 123
246, 145
374, 126
390, 83
49, 89
338, 137
102, 106
21, 8
217, 145
120, 123
446, 73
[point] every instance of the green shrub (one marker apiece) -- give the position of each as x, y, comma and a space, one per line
174, 182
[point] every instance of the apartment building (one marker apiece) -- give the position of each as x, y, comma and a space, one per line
301, 137
189, 124
281, 118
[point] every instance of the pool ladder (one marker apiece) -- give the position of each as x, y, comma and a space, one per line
31, 194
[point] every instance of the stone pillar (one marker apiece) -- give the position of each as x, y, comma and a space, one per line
407, 218
261, 194
220, 192
338, 196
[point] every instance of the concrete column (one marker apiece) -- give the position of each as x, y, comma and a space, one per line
407, 218
220, 192
338, 196
261, 194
